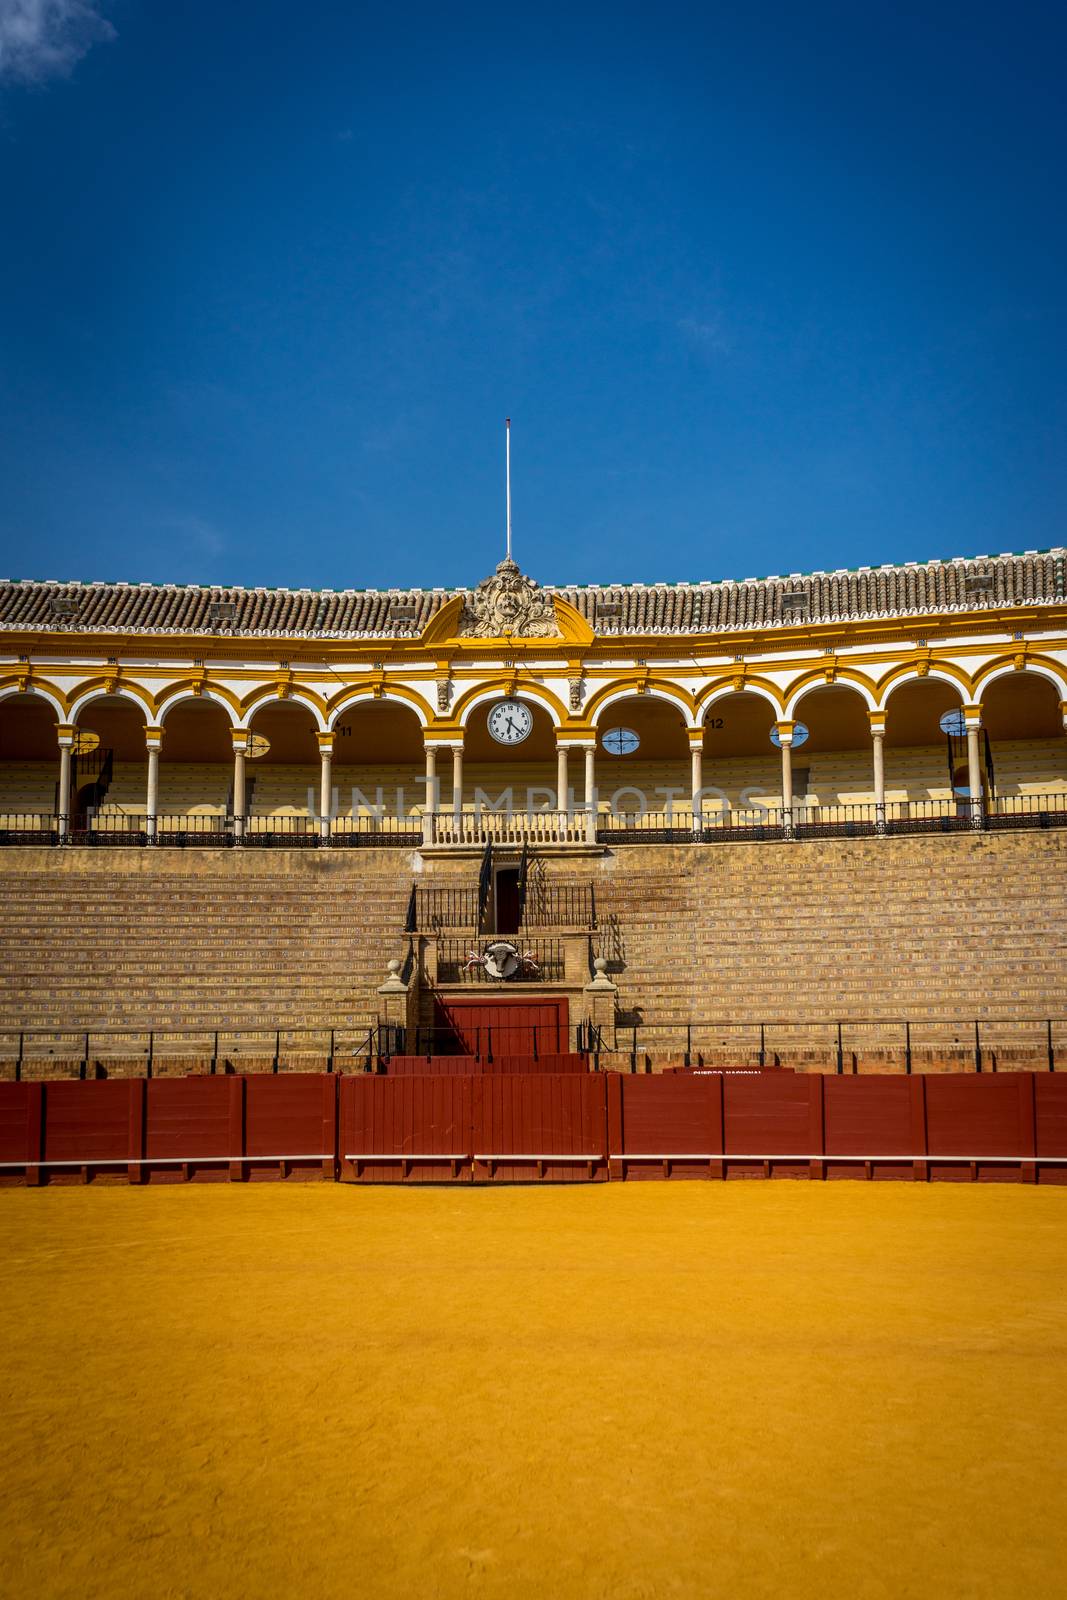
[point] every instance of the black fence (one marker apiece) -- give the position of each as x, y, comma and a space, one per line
752, 823
93, 1051
462, 960
979, 1044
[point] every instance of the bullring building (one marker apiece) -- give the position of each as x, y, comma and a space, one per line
806, 816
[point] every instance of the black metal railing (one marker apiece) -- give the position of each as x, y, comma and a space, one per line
844, 1045
559, 905
368, 831
548, 905
490, 1041
446, 907
541, 961
650, 827
94, 1052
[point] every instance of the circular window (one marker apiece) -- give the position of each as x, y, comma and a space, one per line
800, 736
620, 741
954, 723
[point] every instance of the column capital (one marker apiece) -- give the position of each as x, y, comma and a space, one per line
153, 738
696, 738
240, 738
784, 730
65, 732
877, 720
325, 743
972, 716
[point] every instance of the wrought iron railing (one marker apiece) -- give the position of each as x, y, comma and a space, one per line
92, 1052
459, 961
806, 821
846, 1045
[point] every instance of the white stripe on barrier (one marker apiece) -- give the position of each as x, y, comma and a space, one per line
819, 1155
159, 1161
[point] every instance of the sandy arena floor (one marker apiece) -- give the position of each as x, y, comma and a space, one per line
757, 1389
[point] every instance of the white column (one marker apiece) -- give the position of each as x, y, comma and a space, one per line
433, 796
153, 739
590, 778
696, 779
878, 756
457, 778
325, 785
973, 721
240, 750
785, 734
66, 741
562, 783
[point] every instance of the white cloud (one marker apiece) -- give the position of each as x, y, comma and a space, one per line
44, 38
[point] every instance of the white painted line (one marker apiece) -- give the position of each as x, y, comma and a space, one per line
160, 1161
730, 1155
377, 1156
596, 1156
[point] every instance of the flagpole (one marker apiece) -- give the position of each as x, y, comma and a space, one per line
507, 452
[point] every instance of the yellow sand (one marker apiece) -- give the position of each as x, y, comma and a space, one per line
631, 1391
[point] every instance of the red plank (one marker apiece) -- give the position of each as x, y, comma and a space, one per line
87, 1122
188, 1118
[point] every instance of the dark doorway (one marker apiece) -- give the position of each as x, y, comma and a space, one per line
507, 900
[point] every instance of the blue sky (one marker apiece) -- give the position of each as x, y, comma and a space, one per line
764, 288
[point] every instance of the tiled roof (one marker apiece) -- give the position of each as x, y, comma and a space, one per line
1032, 578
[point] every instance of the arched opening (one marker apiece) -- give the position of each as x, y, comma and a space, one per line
196, 761
741, 768
1028, 750
282, 780
378, 761
922, 762
110, 781
29, 762
653, 775
509, 759
833, 766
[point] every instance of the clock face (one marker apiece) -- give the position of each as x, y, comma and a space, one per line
620, 741
510, 722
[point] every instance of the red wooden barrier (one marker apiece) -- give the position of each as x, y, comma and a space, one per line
510, 1126
507, 1026
471, 1066
406, 1129
772, 1125
532, 1129
665, 1127
1050, 1116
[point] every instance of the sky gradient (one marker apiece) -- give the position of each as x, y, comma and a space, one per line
764, 289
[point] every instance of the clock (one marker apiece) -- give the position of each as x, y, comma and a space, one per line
510, 722
620, 741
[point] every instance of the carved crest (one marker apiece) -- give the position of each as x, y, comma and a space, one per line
509, 602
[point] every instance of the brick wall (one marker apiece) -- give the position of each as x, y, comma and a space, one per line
928, 926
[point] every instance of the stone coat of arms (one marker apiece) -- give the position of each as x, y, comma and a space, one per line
509, 602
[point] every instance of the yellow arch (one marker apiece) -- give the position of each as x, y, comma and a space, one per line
843, 677
1037, 666
504, 685
196, 689
636, 688
295, 692
39, 688
398, 694
719, 688
96, 689
939, 671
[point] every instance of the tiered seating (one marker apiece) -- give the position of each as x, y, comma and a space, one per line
228, 942
27, 789
901, 926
